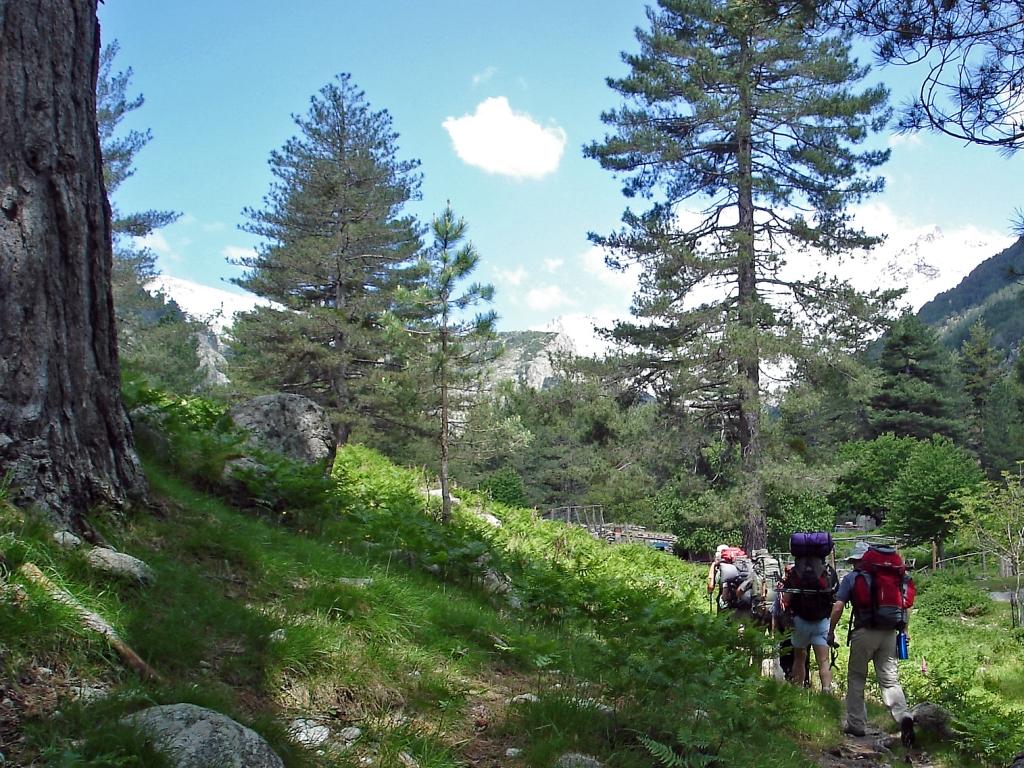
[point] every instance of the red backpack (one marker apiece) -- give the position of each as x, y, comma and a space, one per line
882, 591
732, 554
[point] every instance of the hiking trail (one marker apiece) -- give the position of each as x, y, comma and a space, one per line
875, 749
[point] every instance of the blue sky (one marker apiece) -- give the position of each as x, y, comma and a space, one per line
222, 79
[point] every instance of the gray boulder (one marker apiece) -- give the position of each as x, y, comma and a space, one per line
291, 425
194, 737
933, 719
236, 469
119, 564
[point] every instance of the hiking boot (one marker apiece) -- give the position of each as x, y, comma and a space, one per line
907, 731
851, 730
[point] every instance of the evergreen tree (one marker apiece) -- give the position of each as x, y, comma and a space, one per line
65, 441
915, 397
729, 103
979, 366
336, 246
1002, 428
456, 343
974, 50
154, 337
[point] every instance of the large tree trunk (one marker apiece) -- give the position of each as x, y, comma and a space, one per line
64, 434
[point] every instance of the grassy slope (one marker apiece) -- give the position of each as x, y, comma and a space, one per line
423, 659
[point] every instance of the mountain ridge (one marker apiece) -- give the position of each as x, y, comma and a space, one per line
991, 292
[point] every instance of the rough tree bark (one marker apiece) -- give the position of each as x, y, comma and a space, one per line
65, 439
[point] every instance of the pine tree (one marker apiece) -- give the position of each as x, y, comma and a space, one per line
65, 440
915, 397
974, 54
456, 342
736, 106
336, 245
154, 337
979, 366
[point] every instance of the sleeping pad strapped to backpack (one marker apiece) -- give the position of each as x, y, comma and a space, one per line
811, 584
767, 575
882, 591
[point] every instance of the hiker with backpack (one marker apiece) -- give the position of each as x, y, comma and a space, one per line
731, 571
881, 594
810, 587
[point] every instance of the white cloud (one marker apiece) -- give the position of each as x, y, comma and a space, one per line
233, 253
553, 265
622, 281
909, 139
158, 243
485, 75
499, 140
547, 298
512, 277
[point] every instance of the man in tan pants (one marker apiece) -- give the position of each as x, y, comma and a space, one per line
877, 646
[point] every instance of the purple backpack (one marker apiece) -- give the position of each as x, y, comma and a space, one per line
811, 544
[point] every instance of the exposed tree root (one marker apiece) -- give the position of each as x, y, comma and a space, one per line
90, 620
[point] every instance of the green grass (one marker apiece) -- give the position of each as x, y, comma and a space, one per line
252, 618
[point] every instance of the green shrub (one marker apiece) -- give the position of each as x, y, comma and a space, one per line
296, 493
942, 595
506, 487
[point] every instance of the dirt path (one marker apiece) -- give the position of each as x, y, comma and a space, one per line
873, 750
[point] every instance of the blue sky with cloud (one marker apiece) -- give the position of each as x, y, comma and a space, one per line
495, 99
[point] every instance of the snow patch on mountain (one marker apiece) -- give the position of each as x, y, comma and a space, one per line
216, 307
928, 260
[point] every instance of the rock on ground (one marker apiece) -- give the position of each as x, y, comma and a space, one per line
309, 732
195, 737
576, 760
67, 540
357, 583
289, 424
349, 734
524, 698
119, 564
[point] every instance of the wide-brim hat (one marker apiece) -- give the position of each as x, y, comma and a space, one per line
859, 550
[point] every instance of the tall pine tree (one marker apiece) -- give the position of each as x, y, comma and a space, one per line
737, 109
336, 244
455, 340
979, 366
916, 392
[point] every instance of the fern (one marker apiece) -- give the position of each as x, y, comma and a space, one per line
669, 758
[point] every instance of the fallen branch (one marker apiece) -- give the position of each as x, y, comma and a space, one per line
90, 620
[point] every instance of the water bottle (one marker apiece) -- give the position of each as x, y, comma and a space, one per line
902, 646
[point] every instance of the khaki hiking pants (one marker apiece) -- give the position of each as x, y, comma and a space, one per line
879, 647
